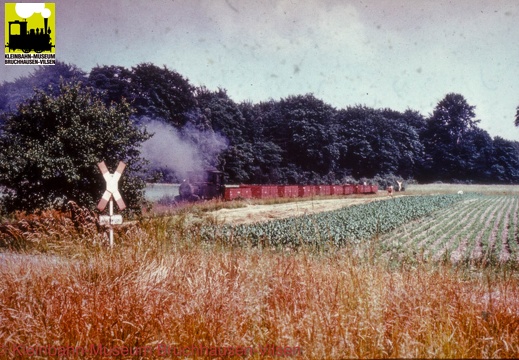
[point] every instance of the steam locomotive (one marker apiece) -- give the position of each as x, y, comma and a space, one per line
201, 186
28, 40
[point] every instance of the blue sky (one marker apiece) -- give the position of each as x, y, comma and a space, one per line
380, 53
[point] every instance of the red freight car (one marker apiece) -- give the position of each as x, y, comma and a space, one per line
349, 189
323, 190
337, 190
306, 190
288, 191
359, 189
366, 189
238, 193
263, 191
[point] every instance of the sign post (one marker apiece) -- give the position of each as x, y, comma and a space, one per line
112, 191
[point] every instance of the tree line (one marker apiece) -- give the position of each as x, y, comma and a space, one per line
297, 139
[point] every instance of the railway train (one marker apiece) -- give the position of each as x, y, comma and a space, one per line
210, 184
37, 40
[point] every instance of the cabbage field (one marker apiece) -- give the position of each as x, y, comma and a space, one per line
453, 227
347, 226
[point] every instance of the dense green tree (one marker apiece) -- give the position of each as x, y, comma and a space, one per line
253, 126
379, 142
250, 158
303, 126
221, 114
265, 156
453, 116
253, 163
478, 152
51, 146
505, 161
354, 136
447, 139
161, 93
409, 127
114, 83
237, 163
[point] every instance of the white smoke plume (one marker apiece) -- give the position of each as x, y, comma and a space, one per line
181, 152
26, 10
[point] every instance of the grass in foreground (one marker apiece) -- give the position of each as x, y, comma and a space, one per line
156, 288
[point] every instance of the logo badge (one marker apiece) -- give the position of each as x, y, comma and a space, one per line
30, 33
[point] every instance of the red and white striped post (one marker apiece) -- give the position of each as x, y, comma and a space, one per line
112, 190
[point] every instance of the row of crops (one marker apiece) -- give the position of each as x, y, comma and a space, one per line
350, 225
481, 229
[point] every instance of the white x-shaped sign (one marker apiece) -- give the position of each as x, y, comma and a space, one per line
111, 186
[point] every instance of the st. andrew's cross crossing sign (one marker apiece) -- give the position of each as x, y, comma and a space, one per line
112, 188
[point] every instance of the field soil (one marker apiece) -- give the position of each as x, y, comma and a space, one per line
254, 213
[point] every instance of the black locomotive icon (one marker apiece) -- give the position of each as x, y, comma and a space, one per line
20, 38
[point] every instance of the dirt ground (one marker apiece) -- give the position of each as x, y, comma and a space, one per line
258, 213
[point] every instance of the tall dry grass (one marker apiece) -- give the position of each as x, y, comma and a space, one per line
159, 286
